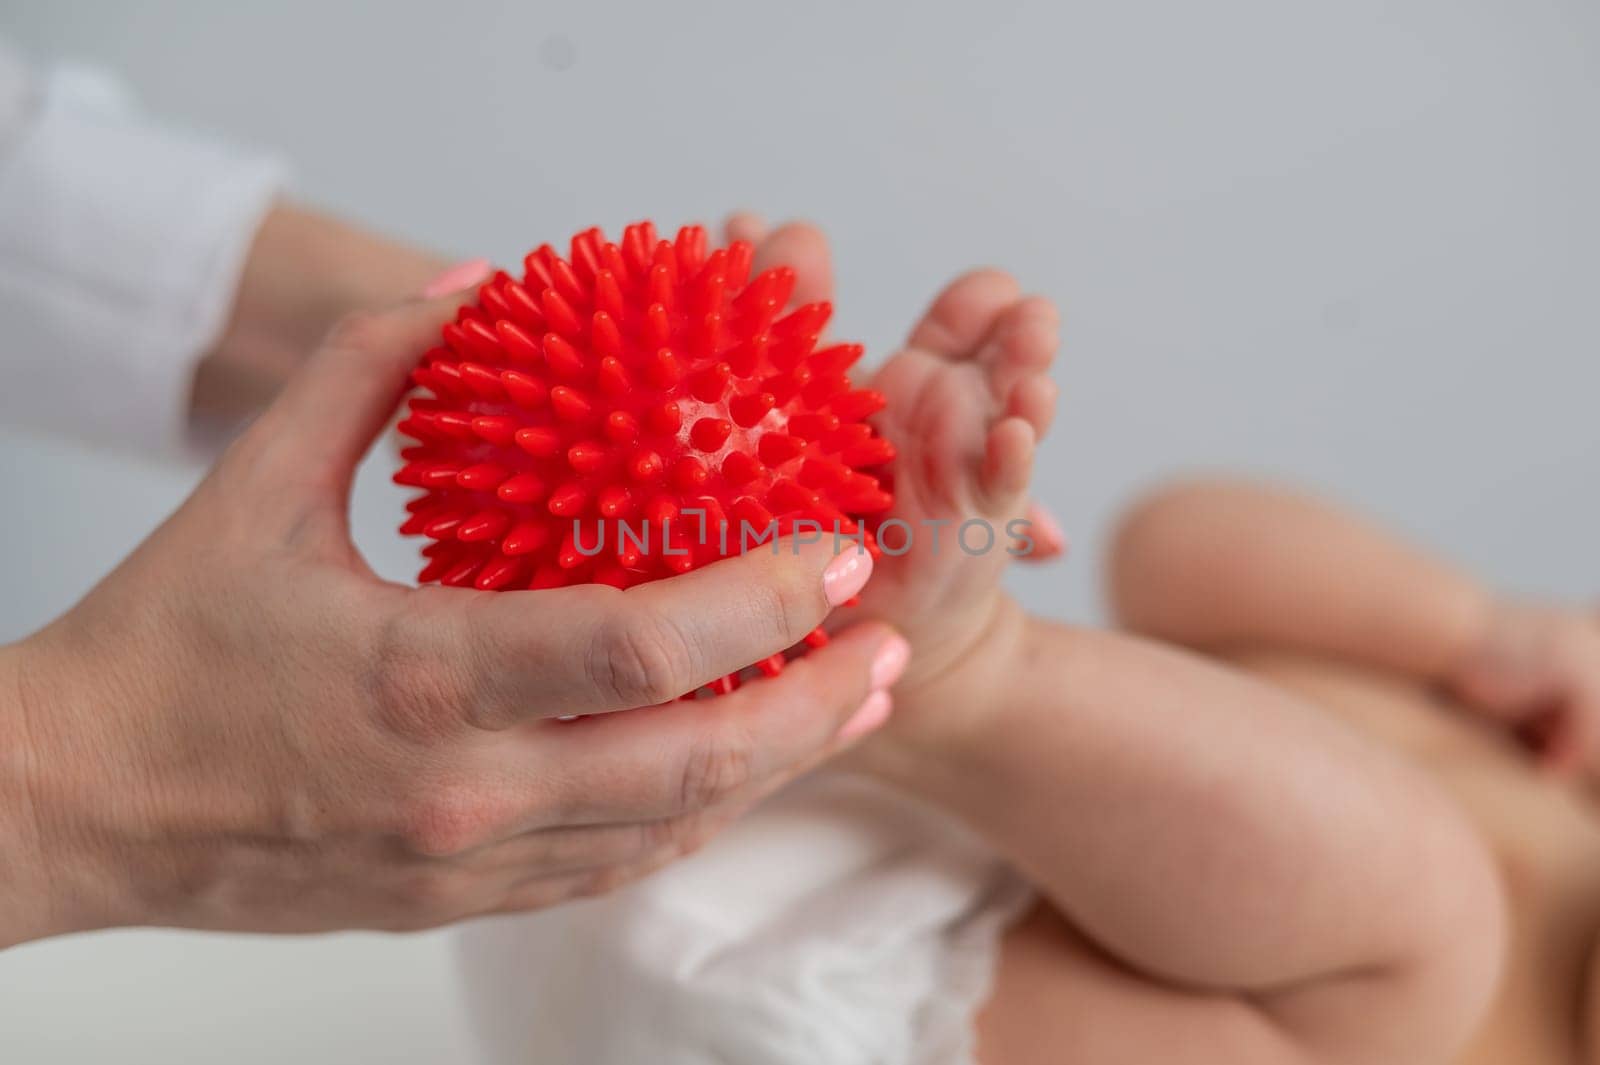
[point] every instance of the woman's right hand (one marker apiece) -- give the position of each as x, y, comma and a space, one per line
242, 727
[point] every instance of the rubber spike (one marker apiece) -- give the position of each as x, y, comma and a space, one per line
493, 302
519, 346
740, 256
690, 474
657, 326
709, 434
663, 370
524, 390
540, 441
622, 427
569, 404
664, 418
740, 468
645, 466
484, 525
873, 452
805, 321
536, 264
561, 315
460, 575
613, 377
586, 457
585, 252
481, 381
526, 537
498, 574
614, 501
567, 284
777, 448
564, 360
748, 408
606, 335
691, 248
709, 384
525, 309
612, 259
568, 500
853, 406
522, 488
482, 476
836, 359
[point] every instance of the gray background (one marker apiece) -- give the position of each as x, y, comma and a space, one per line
1351, 243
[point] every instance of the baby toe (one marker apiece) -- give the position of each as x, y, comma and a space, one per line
1024, 340
1033, 399
1046, 539
962, 316
1007, 464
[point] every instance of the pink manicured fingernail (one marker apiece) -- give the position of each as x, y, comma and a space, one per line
890, 662
873, 713
846, 575
458, 277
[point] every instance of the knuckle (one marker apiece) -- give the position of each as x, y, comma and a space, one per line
719, 765
449, 821
673, 835
641, 657
790, 608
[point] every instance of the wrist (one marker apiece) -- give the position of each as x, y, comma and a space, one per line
26, 909
55, 876
21, 888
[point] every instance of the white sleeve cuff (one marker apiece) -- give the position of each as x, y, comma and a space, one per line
121, 247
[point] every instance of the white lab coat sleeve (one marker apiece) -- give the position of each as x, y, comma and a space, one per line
121, 246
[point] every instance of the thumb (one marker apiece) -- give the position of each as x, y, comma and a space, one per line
333, 408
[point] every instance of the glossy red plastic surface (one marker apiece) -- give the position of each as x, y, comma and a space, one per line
630, 412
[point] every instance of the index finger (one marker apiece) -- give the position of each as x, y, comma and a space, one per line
686, 757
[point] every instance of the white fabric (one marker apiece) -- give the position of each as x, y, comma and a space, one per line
837, 925
121, 245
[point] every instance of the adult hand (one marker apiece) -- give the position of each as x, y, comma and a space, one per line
242, 727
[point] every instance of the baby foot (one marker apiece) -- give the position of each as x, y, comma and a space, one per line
968, 399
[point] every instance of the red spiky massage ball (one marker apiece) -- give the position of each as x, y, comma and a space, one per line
576, 415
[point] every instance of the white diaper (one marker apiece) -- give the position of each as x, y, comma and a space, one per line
838, 924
